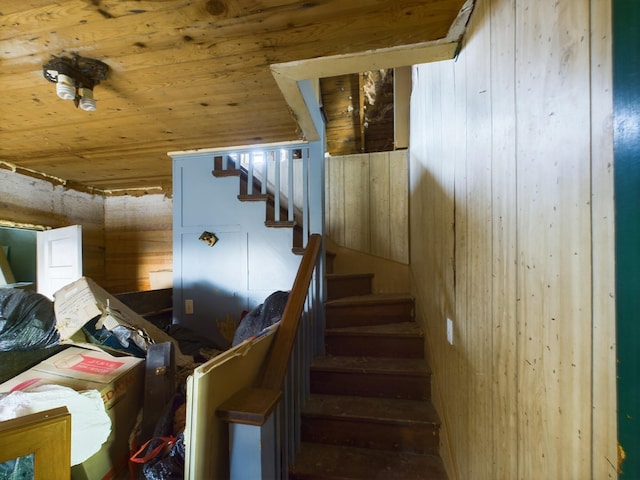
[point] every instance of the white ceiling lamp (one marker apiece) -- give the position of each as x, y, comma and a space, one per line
75, 78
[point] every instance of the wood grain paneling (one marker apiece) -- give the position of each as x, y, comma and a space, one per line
35, 203
605, 435
554, 241
124, 237
356, 203
504, 235
380, 204
523, 115
138, 240
479, 221
367, 203
335, 200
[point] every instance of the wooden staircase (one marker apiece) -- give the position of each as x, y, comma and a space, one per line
256, 195
369, 415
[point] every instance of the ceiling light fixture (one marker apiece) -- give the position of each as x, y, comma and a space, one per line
75, 78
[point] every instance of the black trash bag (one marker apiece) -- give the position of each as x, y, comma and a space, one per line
27, 321
162, 463
261, 317
190, 342
170, 466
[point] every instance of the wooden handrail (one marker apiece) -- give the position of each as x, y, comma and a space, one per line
276, 365
253, 406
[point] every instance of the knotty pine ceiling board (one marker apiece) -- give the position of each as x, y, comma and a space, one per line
185, 74
340, 100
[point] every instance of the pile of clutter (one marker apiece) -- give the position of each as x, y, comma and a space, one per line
95, 349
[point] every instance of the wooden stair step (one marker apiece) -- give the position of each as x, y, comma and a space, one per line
268, 198
340, 285
366, 422
407, 378
330, 260
371, 309
317, 461
398, 340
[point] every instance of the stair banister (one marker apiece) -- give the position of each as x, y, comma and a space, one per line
276, 208
278, 359
251, 411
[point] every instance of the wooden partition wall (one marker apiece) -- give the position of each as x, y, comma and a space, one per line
124, 237
366, 205
32, 202
511, 227
138, 240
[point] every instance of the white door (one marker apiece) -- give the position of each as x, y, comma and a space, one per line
59, 258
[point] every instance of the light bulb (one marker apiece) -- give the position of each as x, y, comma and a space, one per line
65, 87
87, 102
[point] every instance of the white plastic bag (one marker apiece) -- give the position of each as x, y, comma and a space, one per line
90, 424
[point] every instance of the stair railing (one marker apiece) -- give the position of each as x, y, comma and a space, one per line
280, 172
264, 420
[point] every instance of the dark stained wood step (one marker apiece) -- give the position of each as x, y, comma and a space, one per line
375, 309
330, 260
317, 461
254, 197
400, 340
371, 376
410, 426
268, 198
340, 285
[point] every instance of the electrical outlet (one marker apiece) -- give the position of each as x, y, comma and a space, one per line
450, 331
188, 307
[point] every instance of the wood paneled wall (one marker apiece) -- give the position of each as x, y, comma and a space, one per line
512, 239
26, 201
138, 240
124, 238
366, 203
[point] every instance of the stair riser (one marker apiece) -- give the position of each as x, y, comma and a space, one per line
374, 346
329, 264
418, 439
348, 287
410, 387
363, 315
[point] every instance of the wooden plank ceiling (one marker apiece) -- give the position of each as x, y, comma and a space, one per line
359, 112
184, 74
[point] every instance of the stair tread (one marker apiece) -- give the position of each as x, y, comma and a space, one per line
321, 461
330, 276
380, 410
391, 329
385, 365
370, 299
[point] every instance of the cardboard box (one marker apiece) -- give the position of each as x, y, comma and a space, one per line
161, 279
120, 381
81, 369
83, 300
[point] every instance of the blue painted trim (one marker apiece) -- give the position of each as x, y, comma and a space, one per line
252, 451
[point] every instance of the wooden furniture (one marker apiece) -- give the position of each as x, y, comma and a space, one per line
47, 435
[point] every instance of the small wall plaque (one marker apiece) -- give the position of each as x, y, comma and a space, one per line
208, 238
